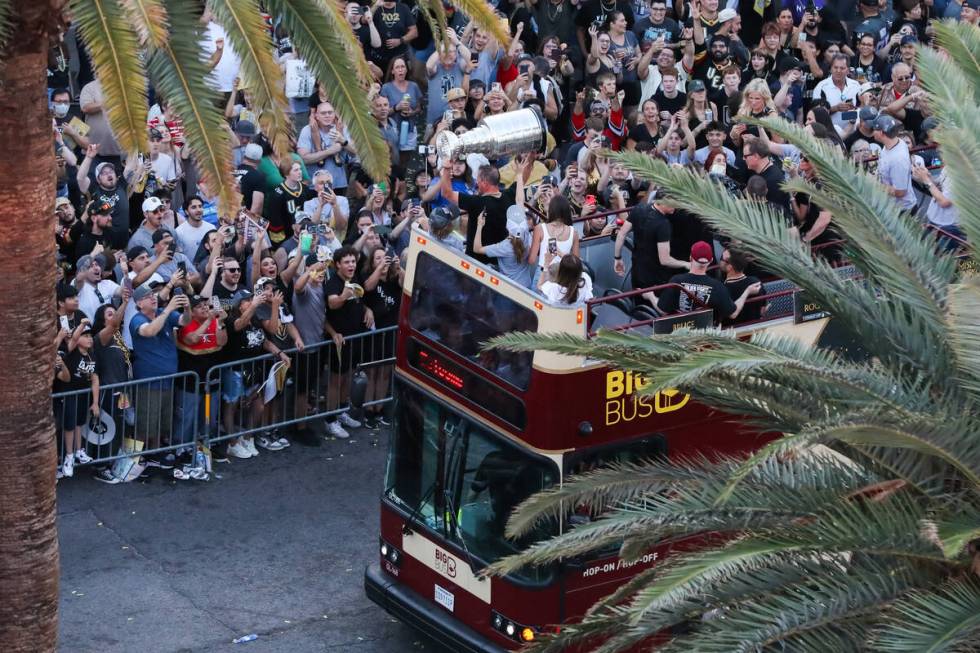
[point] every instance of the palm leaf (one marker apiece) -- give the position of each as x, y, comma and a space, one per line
242, 21
114, 49
962, 42
5, 23
957, 134
946, 620
179, 73
482, 14
964, 318
327, 44
149, 19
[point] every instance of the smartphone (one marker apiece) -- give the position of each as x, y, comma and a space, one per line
263, 223
322, 253
524, 69
552, 246
726, 114
128, 283
474, 57
63, 319
849, 116
215, 303
447, 117
590, 199
179, 290
496, 87
182, 267
709, 115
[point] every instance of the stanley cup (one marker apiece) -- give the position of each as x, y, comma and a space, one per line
508, 133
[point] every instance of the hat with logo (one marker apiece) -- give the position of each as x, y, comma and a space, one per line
455, 93
702, 252
868, 115
152, 204
695, 85
441, 217
197, 300
141, 292
262, 283
887, 125
868, 87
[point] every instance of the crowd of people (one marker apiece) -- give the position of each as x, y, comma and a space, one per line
156, 281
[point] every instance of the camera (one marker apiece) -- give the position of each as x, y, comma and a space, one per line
427, 149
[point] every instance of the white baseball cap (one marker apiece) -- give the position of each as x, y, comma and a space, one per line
151, 204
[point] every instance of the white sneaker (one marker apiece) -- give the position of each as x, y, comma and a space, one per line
271, 445
58, 475
336, 430
68, 467
250, 445
82, 458
239, 450
346, 420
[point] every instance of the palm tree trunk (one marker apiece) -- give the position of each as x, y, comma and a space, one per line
28, 535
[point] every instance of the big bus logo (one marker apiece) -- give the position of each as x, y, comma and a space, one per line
445, 563
622, 405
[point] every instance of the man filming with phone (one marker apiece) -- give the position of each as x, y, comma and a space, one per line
327, 207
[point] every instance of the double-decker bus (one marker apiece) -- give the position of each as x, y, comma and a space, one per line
477, 432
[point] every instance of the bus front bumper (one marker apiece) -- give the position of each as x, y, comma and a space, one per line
410, 608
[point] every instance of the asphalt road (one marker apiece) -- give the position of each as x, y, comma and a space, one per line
276, 547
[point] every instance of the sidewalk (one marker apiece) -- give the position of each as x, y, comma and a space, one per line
276, 547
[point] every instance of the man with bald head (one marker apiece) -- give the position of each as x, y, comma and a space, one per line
903, 98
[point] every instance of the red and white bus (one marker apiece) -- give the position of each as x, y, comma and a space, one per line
477, 432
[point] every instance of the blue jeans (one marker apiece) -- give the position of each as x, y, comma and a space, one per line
188, 418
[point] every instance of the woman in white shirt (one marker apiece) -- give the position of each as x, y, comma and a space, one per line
556, 235
564, 281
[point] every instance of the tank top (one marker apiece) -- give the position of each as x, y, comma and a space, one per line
564, 246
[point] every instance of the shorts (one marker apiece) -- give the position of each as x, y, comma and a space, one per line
73, 411
154, 414
350, 357
307, 370
232, 385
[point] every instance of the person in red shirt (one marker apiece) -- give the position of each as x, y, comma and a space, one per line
197, 343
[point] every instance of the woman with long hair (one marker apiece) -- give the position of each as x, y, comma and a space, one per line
405, 98
756, 100
819, 115
599, 60
647, 129
565, 282
555, 235
624, 48
701, 111
761, 66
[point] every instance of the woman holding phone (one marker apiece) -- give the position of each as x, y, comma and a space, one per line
555, 235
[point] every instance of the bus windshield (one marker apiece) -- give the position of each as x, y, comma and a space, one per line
461, 480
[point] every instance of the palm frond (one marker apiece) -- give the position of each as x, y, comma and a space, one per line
5, 23
435, 15
327, 44
483, 15
114, 49
956, 530
179, 73
962, 43
149, 19
957, 134
905, 337
964, 318
242, 21
945, 620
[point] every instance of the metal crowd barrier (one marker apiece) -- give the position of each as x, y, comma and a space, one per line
319, 382
154, 416
176, 412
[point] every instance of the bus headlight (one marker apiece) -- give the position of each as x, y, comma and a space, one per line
511, 629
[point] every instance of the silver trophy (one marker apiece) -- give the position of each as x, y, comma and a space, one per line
508, 133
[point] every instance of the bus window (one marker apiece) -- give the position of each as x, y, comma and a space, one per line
461, 314
460, 480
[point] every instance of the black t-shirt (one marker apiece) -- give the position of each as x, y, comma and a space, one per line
774, 176
751, 310
641, 134
855, 136
81, 367
711, 73
392, 23
87, 241
673, 105
593, 10
281, 337
495, 229
247, 343
708, 290
347, 320
251, 180
646, 30
872, 72
384, 301
650, 227
118, 200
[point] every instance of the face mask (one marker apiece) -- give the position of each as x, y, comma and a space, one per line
61, 110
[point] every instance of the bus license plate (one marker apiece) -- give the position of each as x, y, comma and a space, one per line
445, 598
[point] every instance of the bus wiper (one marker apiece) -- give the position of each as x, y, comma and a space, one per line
459, 532
417, 511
